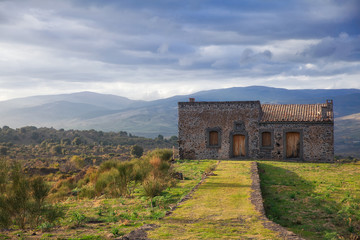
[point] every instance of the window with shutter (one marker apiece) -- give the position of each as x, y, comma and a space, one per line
213, 138
266, 139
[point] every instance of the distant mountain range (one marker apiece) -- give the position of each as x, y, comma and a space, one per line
88, 110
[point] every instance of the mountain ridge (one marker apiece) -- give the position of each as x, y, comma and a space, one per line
106, 112
86, 110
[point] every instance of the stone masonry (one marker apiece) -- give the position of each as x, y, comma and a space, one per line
305, 129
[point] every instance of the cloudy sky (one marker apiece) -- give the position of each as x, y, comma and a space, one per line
155, 49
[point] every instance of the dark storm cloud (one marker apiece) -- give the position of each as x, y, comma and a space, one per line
343, 47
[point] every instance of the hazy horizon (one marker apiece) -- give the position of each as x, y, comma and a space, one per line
174, 95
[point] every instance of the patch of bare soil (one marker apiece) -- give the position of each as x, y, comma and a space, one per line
139, 233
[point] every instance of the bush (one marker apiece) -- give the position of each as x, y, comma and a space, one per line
163, 154
153, 186
105, 166
78, 218
22, 202
126, 175
57, 149
106, 182
87, 192
137, 151
39, 191
78, 161
46, 226
18, 200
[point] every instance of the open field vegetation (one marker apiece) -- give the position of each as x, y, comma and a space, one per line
92, 185
314, 200
47, 150
220, 209
104, 201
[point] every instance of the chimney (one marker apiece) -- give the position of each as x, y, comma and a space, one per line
191, 99
329, 104
327, 112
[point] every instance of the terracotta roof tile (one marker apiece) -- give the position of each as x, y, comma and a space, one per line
295, 113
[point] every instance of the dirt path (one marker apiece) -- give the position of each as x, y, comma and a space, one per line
220, 209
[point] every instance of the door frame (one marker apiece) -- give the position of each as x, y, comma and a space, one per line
231, 153
301, 144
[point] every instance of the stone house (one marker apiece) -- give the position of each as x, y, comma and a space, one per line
248, 129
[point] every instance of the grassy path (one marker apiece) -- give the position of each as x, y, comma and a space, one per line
219, 209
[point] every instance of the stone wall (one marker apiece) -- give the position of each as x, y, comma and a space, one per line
317, 141
197, 118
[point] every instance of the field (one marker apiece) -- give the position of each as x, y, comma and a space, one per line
316, 201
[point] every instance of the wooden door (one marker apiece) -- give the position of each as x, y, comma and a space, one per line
239, 149
292, 145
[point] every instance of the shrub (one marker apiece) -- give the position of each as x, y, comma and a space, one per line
57, 149
107, 182
163, 154
107, 165
87, 192
46, 226
126, 175
3, 175
39, 191
19, 197
78, 161
78, 218
153, 186
137, 151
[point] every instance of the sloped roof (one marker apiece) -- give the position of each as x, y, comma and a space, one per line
295, 113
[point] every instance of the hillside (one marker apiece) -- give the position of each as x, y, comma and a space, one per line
347, 138
87, 110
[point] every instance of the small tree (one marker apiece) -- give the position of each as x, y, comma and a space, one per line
5, 220
18, 200
125, 177
76, 141
3, 150
78, 161
160, 137
57, 149
23, 199
39, 191
137, 151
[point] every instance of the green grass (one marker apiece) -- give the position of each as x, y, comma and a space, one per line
316, 201
219, 209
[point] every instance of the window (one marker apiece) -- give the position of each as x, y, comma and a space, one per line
213, 138
266, 139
